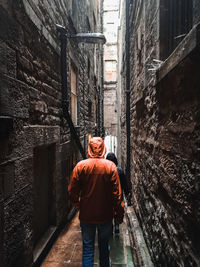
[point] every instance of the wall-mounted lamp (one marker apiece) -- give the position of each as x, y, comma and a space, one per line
94, 38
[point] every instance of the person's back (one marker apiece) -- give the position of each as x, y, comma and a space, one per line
95, 189
124, 183
97, 182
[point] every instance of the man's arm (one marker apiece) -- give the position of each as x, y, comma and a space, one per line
74, 188
117, 196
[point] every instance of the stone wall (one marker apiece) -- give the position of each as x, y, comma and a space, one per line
1, 223
196, 14
121, 105
30, 94
110, 110
164, 141
111, 13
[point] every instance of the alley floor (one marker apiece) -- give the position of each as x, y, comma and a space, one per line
67, 250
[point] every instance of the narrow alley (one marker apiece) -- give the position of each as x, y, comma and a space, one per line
67, 250
126, 74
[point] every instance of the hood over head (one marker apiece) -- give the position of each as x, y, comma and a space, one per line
111, 156
96, 148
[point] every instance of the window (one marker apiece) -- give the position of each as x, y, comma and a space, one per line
74, 94
175, 23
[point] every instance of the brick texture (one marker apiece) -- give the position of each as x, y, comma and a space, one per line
30, 93
164, 143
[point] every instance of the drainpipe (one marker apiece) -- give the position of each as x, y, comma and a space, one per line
102, 74
66, 114
127, 92
99, 111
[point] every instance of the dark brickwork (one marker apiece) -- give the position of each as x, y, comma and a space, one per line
1, 221
165, 127
196, 16
30, 94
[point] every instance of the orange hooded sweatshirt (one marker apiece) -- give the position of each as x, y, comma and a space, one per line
95, 187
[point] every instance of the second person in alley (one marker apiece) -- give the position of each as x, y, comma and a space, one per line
95, 189
123, 181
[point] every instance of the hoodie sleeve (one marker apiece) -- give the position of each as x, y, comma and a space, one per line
74, 188
117, 195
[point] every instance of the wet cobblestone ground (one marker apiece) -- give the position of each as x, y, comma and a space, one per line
67, 250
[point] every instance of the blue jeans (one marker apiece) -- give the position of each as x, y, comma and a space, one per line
88, 238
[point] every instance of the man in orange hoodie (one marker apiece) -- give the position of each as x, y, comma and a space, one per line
95, 189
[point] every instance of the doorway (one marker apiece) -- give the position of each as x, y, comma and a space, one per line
44, 200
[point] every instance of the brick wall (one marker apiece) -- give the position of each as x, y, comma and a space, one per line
196, 14
111, 13
30, 93
164, 142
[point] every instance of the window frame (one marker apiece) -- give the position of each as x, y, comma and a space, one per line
74, 93
176, 20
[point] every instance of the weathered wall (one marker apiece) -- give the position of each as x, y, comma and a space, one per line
30, 93
121, 105
1, 223
110, 16
164, 143
110, 110
196, 16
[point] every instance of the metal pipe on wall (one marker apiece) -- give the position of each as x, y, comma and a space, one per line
65, 105
63, 59
128, 152
102, 132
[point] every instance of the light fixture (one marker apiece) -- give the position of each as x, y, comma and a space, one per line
95, 38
